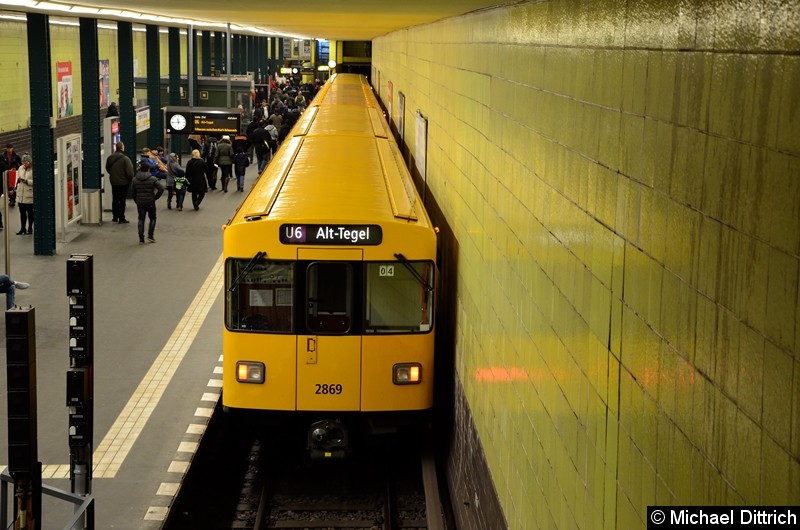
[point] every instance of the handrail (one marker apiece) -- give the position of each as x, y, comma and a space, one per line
85, 505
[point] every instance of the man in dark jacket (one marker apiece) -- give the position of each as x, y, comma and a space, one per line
146, 191
120, 173
259, 141
9, 160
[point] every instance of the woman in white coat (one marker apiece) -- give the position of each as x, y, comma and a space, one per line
25, 194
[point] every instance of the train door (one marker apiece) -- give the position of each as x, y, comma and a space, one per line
328, 358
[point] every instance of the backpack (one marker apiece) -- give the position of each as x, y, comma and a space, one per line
212, 152
241, 160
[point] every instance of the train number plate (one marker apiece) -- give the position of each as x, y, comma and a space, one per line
328, 389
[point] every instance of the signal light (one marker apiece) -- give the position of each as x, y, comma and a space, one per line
407, 374
249, 372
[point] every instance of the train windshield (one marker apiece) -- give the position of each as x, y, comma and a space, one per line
399, 296
261, 296
329, 297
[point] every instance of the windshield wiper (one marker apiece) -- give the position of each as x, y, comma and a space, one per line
252, 263
407, 264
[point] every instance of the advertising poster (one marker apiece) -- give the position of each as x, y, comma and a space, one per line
73, 179
105, 90
64, 78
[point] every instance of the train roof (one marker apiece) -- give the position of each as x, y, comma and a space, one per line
340, 163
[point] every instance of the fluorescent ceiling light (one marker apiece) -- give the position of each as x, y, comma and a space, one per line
110, 12
82, 9
21, 3
51, 6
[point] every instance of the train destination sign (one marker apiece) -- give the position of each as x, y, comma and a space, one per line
331, 234
198, 120
215, 122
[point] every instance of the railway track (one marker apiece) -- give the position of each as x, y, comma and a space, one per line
381, 488
251, 479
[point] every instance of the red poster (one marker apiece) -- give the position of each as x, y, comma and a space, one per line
64, 78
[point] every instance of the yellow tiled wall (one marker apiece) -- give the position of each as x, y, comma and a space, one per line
65, 47
624, 187
15, 94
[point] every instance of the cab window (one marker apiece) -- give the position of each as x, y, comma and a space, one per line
329, 297
260, 295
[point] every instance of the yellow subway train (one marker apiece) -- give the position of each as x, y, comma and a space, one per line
330, 277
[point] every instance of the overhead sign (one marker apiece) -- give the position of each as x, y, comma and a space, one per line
331, 234
209, 121
215, 122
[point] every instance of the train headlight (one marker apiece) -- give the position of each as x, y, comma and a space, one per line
407, 373
249, 372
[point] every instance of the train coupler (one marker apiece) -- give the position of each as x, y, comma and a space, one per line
328, 439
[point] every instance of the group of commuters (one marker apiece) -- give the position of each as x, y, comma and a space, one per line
156, 173
275, 116
224, 158
20, 190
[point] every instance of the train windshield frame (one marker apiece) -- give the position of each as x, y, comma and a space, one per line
329, 297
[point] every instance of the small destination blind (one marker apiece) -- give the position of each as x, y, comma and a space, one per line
331, 234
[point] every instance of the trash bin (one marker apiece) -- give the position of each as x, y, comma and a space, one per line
93, 207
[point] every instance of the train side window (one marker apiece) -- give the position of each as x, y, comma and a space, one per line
399, 297
259, 298
329, 292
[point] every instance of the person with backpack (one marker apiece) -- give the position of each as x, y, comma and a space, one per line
210, 157
174, 171
240, 163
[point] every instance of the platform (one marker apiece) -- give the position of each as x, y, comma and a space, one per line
158, 318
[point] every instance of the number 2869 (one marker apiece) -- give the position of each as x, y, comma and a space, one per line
326, 389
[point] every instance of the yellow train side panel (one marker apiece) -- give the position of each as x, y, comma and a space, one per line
378, 392
278, 353
328, 372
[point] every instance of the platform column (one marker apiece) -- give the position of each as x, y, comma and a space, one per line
23, 464
80, 376
42, 122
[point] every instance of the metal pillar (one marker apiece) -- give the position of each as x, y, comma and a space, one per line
228, 66
44, 238
192, 62
155, 135
205, 51
90, 90
219, 57
174, 40
127, 113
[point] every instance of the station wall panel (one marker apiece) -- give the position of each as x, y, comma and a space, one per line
622, 185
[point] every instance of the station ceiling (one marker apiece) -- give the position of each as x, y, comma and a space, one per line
345, 20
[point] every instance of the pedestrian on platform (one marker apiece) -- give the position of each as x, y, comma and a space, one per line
196, 141
25, 195
120, 174
146, 191
240, 163
181, 185
196, 173
225, 161
210, 156
9, 287
174, 171
10, 160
